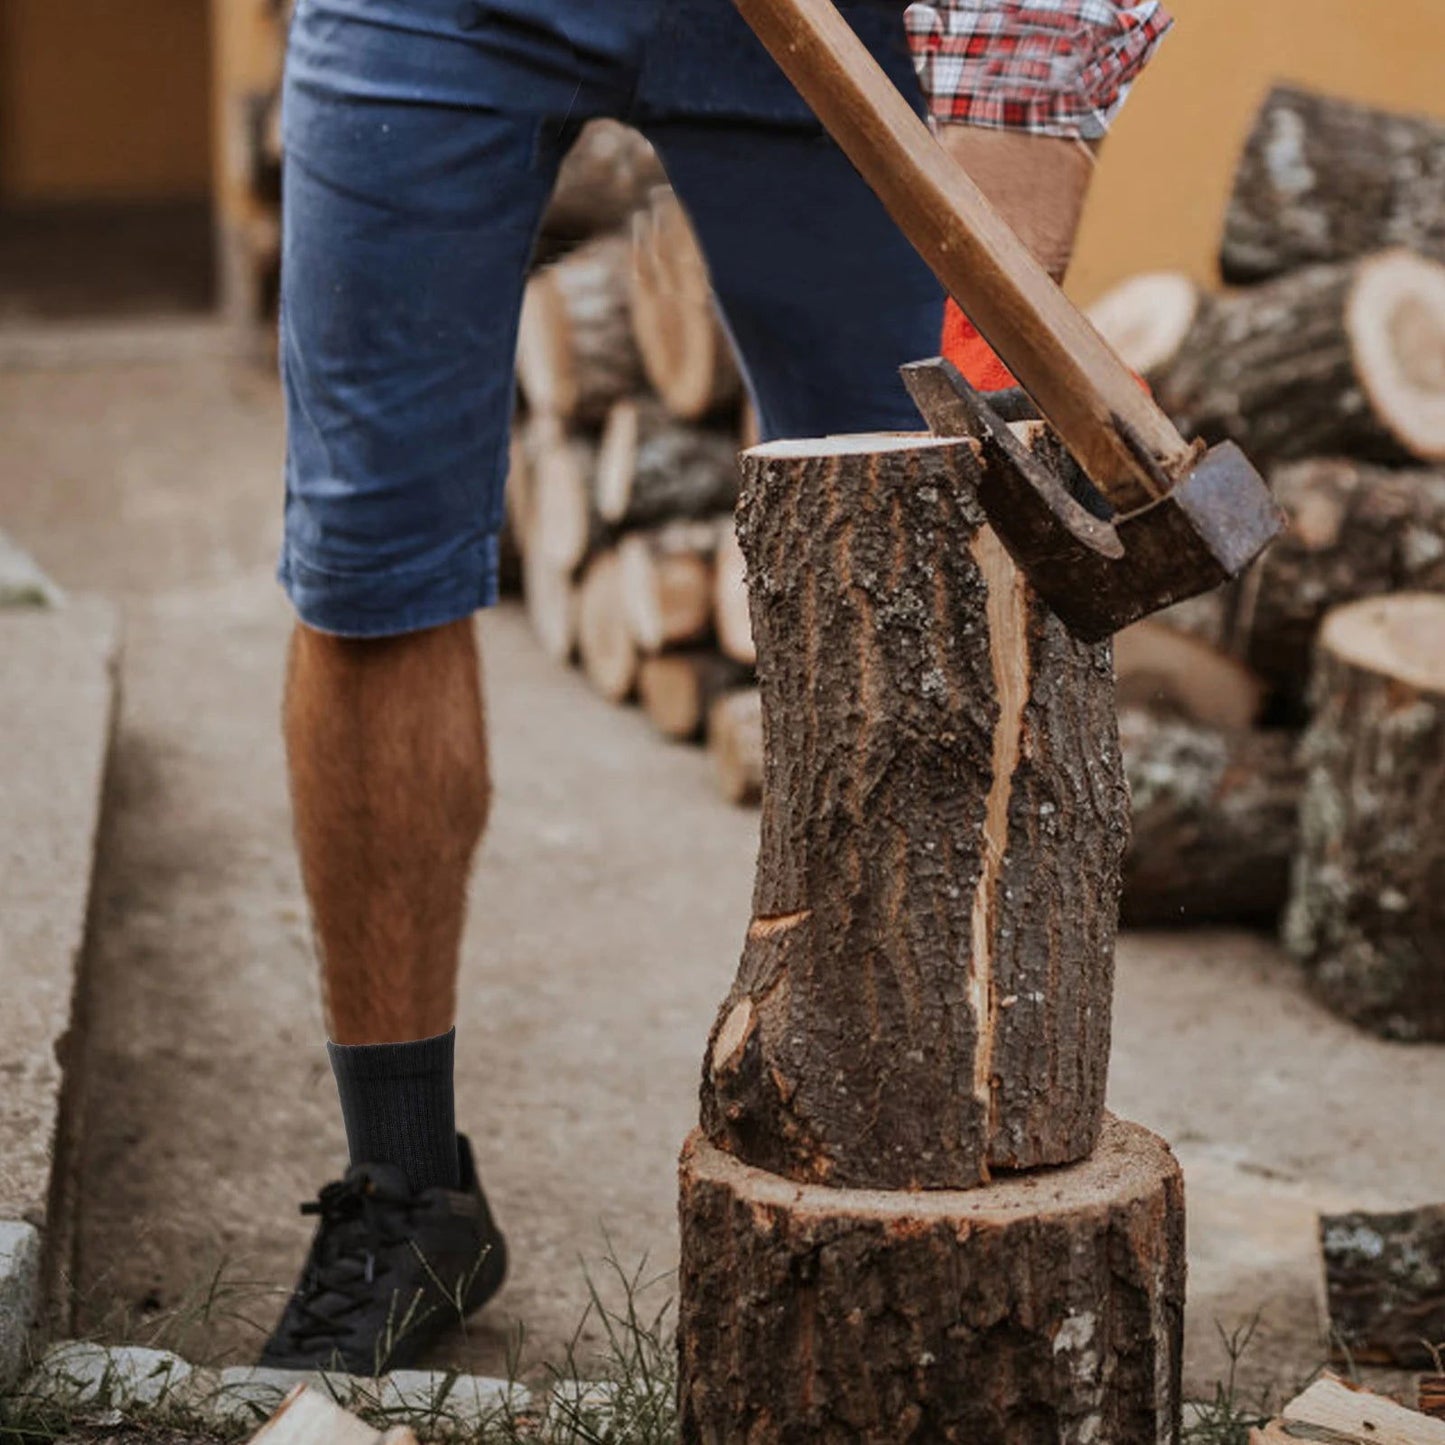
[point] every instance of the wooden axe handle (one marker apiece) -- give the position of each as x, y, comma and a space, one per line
1129, 448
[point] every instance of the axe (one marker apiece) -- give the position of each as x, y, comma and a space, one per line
1160, 519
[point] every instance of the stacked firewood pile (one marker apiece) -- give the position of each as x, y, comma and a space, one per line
1324, 359
1286, 738
624, 466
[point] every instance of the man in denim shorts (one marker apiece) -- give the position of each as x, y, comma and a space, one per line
423, 138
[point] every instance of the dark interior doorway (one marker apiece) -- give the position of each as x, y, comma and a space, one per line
105, 160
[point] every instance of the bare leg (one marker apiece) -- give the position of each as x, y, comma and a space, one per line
386, 742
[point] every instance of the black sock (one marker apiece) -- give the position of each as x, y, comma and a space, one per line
399, 1107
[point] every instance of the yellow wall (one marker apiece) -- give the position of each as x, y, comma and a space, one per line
103, 99
1161, 189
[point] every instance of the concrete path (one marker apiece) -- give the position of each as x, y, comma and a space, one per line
604, 928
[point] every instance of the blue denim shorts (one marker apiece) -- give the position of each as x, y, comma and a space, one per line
423, 138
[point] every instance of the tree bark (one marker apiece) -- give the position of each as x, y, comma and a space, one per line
678, 689
1324, 179
1355, 531
685, 351
1333, 360
735, 740
1384, 1285
608, 176
1045, 1309
652, 468
1367, 911
1216, 820
924, 994
575, 351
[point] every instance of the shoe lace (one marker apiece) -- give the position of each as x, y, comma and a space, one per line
359, 1221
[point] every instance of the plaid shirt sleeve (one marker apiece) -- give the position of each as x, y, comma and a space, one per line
1050, 67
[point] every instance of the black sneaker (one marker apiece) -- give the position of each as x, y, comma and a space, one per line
389, 1271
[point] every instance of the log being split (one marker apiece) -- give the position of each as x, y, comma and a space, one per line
1046, 1309
924, 993
1324, 179
575, 351
652, 468
1346, 360
685, 351
1384, 1285
1367, 912
735, 741
1355, 531
1216, 820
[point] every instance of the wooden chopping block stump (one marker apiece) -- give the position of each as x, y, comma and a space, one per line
925, 988
1367, 911
1044, 1308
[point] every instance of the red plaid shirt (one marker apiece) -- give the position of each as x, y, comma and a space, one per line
1051, 67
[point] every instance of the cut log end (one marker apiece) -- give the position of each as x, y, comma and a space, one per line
735, 740
604, 639
1400, 637
1147, 318
1396, 318
686, 353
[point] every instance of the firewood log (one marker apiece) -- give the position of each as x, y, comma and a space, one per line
1332, 360
575, 351
731, 618
1325, 179
1148, 319
1384, 1285
604, 640
667, 583
561, 519
685, 351
1215, 821
609, 174
678, 689
735, 742
943, 797
1367, 911
652, 468
1333, 1412
1160, 666
1432, 1396
1355, 531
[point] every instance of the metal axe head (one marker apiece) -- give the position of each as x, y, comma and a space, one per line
1098, 570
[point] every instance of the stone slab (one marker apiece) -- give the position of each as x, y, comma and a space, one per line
19, 1289
155, 1385
57, 703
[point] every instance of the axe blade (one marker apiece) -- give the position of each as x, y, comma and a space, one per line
1100, 571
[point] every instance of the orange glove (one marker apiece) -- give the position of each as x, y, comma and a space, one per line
971, 354
976, 359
